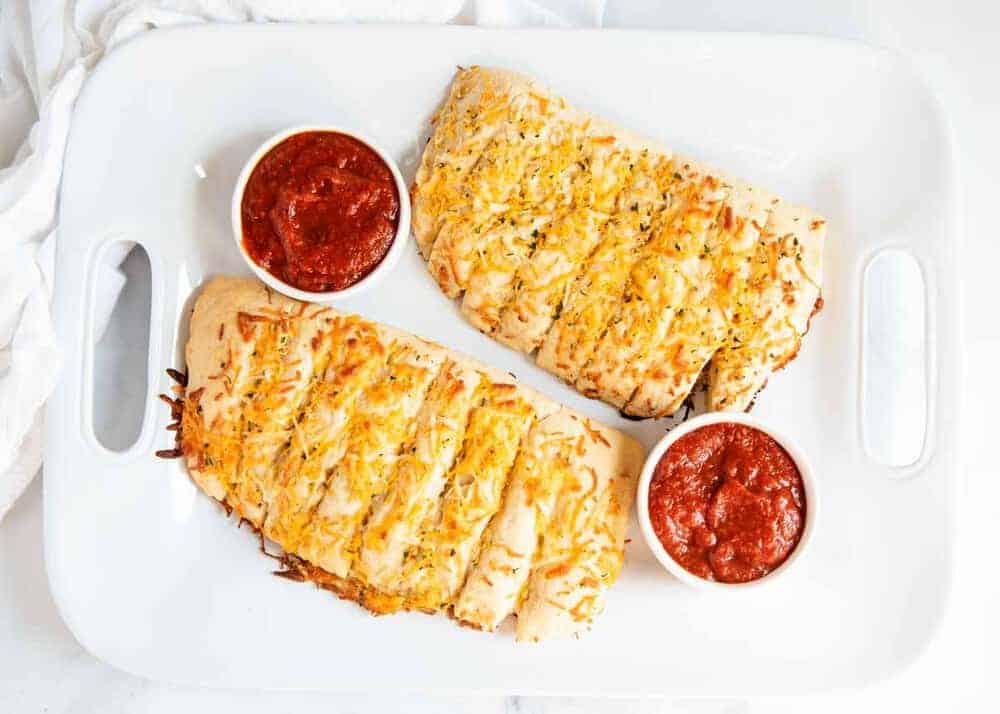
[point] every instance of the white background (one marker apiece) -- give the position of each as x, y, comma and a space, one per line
956, 45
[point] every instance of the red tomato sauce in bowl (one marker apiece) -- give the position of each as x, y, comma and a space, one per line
320, 211
727, 502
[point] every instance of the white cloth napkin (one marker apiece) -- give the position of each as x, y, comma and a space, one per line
48, 48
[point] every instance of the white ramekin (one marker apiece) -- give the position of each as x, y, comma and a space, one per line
642, 500
380, 271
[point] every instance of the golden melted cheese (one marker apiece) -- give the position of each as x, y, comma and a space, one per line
438, 558
394, 525
770, 318
382, 422
695, 335
320, 438
617, 262
392, 471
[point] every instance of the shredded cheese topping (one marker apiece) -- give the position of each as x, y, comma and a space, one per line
398, 474
624, 267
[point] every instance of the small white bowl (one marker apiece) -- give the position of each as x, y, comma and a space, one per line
381, 270
642, 500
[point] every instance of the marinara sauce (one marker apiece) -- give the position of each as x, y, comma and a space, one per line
320, 211
727, 502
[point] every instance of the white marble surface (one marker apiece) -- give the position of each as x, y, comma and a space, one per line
43, 669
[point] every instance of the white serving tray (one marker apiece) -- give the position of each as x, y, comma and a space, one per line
152, 579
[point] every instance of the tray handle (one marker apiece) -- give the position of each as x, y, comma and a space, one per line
142, 444
897, 359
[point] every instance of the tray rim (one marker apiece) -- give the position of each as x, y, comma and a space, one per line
121, 54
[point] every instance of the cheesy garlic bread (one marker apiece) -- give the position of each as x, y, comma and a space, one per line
397, 473
627, 270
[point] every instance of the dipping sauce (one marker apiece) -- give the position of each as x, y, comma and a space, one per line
727, 502
320, 211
